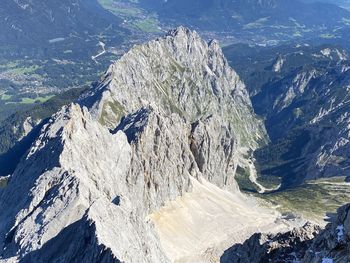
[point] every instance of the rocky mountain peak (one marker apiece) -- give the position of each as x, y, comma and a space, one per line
169, 119
181, 31
180, 73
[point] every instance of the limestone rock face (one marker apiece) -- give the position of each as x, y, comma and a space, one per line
167, 113
306, 245
162, 162
180, 73
288, 247
71, 179
333, 244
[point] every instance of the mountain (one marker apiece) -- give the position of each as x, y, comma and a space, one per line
302, 94
47, 48
256, 21
143, 156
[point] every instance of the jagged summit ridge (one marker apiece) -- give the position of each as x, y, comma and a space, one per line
180, 73
75, 175
181, 30
167, 114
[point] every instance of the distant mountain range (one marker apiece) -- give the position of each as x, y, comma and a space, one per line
27, 23
302, 92
261, 20
34, 23
50, 46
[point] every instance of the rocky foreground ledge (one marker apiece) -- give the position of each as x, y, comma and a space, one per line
308, 244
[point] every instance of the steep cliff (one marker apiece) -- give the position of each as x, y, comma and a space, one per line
181, 75
164, 131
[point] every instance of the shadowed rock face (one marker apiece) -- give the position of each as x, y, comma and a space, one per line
167, 113
333, 243
286, 247
313, 103
307, 244
73, 245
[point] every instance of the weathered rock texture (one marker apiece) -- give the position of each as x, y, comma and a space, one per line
332, 244
167, 112
70, 179
305, 245
288, 247
182, 80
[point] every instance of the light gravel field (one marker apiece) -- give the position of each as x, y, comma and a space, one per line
200, 225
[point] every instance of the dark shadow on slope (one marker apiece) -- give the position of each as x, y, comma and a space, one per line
133, 124
284, 158
95, 93
292, 173
11, 150
76, 243
283, 247
10, 159
16, 193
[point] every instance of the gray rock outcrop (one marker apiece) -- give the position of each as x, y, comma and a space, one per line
305, 245
333, 244
288, 247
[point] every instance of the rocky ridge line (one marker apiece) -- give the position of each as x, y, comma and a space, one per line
167, 112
